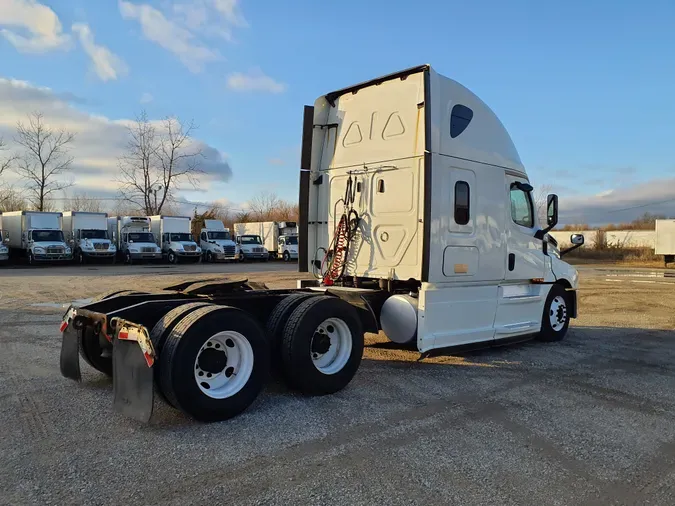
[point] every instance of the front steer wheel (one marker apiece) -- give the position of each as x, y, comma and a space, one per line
214, 363
556, 318
322, 345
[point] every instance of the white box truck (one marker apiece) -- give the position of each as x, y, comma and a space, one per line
4, 250
174, 237
418, 219
133, 239
279, 238
87, 234
216, 242
665, 240
36, 236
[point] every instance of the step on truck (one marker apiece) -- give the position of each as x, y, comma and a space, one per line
217, 243
4, 241
87, 235
174, 238
133, 239
36, 236
279, 238
416, 218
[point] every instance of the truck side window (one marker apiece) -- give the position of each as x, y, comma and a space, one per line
462, 201
460, 117
521, 207
203, 236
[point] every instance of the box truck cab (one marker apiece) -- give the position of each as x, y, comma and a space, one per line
216, 242
251, 248
133, 238
87, 235
269, 232
174, 237
36, 236
412, 184
288, 247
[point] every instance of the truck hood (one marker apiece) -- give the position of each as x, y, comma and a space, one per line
249, 247
96, 241
222, 242
183, 243
142, 245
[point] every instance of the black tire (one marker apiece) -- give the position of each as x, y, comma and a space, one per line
180, 351
92, 352
172, 257
548, 333
161, 331
296, 352
81, 258
31, 259
287, 256
276, 323
209, 256
127, 258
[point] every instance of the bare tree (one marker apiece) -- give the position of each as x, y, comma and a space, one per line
156, 162
11, 200
541, 201
44, 159
263, 205
82, 202
7, 163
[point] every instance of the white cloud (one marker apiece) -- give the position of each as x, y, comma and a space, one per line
229, 9
99, 141
254, 80
168, 34
146, 98
34, 28
106, 64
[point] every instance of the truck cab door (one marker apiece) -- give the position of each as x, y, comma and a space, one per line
525, 256
520, 301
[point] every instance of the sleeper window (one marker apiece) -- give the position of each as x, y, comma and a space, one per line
460, 117
521, 207
462, 200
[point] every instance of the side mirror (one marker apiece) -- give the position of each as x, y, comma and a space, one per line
552, 211
72, 241
6, 240
577, 239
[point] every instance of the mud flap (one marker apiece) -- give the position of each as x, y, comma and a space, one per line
133, 388
70, 353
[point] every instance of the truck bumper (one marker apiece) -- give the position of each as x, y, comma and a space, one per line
99, 254
146, 256
222, 257
53, 258
256, 256
188, 254
4, 257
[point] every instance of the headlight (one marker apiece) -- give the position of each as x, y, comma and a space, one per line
112, 247
133, 250
87, 245
265, 250
68, 250
39, 250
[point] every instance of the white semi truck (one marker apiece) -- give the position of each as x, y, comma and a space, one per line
417, 217
279, 238
133, 239
87, 234
36, 236
174, 237
4, 250
665, 240
216, 242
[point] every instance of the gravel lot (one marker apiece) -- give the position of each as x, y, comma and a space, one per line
590, 420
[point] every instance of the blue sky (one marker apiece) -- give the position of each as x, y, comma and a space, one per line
584, 88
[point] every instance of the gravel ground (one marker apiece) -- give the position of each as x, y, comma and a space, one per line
589, 420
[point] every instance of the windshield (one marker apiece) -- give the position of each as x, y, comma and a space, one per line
221, 236
293, 240
47, 236
251, 239
93, 234
180, 237
141, 237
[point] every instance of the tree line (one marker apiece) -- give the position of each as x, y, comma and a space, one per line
160, 157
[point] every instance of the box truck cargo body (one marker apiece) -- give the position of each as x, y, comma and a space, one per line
87, 234
36, 236
174, 237
665, 240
